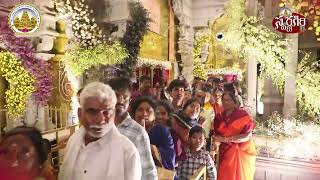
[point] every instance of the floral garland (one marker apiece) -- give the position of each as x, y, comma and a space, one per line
308, 92
20, 83
153, 63
199, 69
40, 69
91, 49
84, 28
80, 59
246, 37
224, 71
137, 27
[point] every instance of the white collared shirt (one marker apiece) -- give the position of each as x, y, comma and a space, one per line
113, 157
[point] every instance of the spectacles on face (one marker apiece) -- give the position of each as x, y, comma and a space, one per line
95, 112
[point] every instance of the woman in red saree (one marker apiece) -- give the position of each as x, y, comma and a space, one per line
233, 129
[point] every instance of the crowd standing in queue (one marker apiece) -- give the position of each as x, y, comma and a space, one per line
128, 134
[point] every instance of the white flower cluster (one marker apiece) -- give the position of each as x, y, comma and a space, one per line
224, 71
153, 63
84, 27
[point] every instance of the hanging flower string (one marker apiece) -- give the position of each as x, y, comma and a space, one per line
84, 28
40, 69
153, 63
20, 84
91, 48
80, 59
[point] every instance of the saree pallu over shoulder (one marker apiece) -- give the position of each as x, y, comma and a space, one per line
237, 160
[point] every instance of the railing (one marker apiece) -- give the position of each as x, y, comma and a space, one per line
200, 174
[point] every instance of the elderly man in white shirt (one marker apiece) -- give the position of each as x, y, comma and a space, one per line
97, 151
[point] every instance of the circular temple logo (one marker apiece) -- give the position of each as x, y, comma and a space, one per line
24, 18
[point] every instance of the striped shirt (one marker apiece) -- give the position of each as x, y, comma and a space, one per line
139, 136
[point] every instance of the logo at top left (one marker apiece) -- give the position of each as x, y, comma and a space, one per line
24, 19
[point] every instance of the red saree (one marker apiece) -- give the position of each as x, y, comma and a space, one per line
237, 160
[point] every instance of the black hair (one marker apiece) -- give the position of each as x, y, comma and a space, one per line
233, 97
230, 88
182, 119
167, 106
198, 78
206, 88
176, 83
79, 91
196, 129
140, 99
120, 83
190, 101
144, 77
218, 89
41, 145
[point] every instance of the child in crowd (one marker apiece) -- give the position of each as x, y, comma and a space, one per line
196, 156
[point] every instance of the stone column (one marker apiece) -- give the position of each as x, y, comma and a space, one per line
252, 85
186, 38
290, 99
252, 10
171, 40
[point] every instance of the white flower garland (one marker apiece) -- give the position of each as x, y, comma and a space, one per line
224, 71
154, 63
84, 27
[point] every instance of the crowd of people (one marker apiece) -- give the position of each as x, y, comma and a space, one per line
143, 135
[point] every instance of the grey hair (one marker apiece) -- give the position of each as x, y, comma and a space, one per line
100, 90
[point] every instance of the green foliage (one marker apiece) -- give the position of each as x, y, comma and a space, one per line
21, 84
308, 89
137, 27
80, 59
254, 39
246, 37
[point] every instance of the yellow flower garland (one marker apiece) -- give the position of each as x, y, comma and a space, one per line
20, 84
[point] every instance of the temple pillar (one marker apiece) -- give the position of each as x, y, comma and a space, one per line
62, 92
186, 37
171, 40
290, 98
252, 76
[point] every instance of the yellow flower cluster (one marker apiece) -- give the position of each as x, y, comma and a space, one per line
199, 70
20, 84
80, 59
